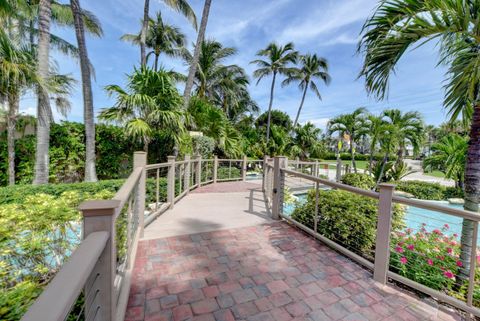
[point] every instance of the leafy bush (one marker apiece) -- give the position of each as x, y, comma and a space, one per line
422, 190
203, 145
364, 181
430, 258
453, 192
346, 218
225, 172
347, 156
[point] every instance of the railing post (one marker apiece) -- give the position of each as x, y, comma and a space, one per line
338, 175
264, 174
315, 169
140, 160
198, 170
244, 168
215, 168
100, 286
297, 164
279, 162
186, 174
171, 181
384, 224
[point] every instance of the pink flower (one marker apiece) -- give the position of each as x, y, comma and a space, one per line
430, 262
455, 235
459, 263
408, 230
449, 274
399, 249
410, 247
403, 260
449, 250
441, 257
437, 231
446, 226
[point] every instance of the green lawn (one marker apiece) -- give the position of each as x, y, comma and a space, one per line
360, 164
436, 174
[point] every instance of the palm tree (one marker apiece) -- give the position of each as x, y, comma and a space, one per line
448, 156
351, 125
180, 6
312, 68
149, 103
375, 128
409, 129
306, 140
17, 71
399, 25
278, 59
196, 54
161, 38
90, 171
43, 105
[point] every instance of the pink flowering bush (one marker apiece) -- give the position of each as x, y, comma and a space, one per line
427, 257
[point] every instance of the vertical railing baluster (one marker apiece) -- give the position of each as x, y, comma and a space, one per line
229, 169
157, 191
244, 168
140, 160
473, 261
215, 168
186, 174
171, 181
198, 171
315, 220
279, 163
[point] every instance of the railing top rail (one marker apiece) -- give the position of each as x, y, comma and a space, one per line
182, 162
437, 207
155, 166
230, 160
56, 300
327, 182
127, 188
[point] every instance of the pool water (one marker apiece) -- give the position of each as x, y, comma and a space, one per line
414, 216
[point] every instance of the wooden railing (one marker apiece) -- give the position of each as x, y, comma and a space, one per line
281, 175
98, 272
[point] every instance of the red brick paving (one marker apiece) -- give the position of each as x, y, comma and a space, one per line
227, 187
266, 272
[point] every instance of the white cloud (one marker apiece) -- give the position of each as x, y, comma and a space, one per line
325, 20
318, 122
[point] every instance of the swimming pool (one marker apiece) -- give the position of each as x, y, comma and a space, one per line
415, 217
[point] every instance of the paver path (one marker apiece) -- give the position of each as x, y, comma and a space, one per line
264, 272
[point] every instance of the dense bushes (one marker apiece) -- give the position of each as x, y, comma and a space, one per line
364, 181
225, 172
359, 157
429, 191
346, 218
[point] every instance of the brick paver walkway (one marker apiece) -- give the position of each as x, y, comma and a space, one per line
265, 272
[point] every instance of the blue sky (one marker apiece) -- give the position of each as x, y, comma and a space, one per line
329, 28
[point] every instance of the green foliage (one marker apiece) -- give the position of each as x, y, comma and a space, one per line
204, 146
423, 190
364, 181
346, 218
225, 172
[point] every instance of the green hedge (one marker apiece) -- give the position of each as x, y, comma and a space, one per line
225, 172
346, 218
359, 157
359, 180
429, 191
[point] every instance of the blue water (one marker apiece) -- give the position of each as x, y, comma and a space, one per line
414, 217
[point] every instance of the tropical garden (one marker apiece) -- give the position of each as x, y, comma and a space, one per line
49, 167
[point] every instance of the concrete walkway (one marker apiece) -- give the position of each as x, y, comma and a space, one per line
212, 207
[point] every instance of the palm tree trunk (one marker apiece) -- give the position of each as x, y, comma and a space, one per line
143, 33
301, 105
155, 65
90, 172
44, 112
370, 163
352, 154
269, 118
196, 53
472, 192
384, 162
13, 104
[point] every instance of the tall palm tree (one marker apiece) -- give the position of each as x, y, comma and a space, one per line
352, 125
161, 38
196, 54
409, 129
90, 171
277, 62
180, 6
399, 25
44, 115
311, 68
148, 104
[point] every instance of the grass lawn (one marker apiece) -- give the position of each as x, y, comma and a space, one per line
360, 164
435, 174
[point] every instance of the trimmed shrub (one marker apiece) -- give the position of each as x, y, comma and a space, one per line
453, 192
346, 218
225, 172
364, 181
422, 190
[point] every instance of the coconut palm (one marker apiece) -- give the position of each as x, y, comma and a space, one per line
311, 68
448, 156
409, 129
306, 140
161, 38
395, 27
149, 102
352, 125
90, 171
180, 6
277, 62
196, 54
